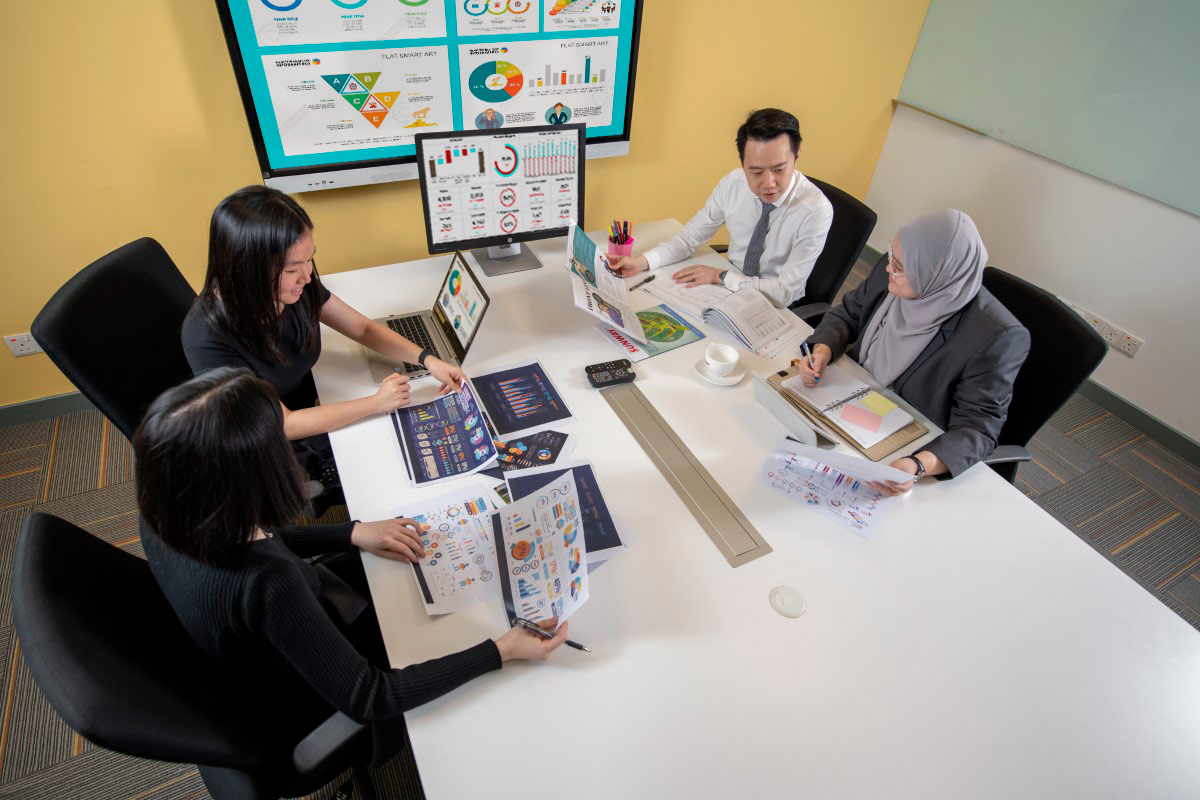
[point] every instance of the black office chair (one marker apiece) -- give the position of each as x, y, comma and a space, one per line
852, 224
1064, 351
113, 330
107, 650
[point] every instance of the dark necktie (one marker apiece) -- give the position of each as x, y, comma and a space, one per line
757, 240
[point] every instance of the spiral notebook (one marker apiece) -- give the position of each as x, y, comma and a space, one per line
865, 418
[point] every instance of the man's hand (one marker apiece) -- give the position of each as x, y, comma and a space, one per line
398, 539
697, 275
891, 488
627, 265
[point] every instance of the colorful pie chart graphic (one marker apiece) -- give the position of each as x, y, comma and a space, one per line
455, 282
506, 162
495, 81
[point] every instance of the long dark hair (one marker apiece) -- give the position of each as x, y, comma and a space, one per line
248, 239
213, 465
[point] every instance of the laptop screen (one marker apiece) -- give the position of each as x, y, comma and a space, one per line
460, 305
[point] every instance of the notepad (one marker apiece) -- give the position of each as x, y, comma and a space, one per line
858, 410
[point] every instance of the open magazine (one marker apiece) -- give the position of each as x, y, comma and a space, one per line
596, 290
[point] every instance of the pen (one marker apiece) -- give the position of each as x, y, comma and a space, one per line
626, 239
804, 349
642, 283
533, 627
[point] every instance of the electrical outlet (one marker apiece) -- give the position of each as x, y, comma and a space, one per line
1130, 345
1112, 334
22, 344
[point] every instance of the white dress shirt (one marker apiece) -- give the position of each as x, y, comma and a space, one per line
795, 236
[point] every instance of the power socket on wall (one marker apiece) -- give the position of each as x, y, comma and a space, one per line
22, 344
1118, 338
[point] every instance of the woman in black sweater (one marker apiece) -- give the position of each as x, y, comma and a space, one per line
218, 486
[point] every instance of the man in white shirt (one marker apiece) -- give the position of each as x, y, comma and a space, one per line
777, 218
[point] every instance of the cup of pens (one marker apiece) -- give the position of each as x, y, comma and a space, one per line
620, 243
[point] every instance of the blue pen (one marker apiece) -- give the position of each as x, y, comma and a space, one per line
804, 349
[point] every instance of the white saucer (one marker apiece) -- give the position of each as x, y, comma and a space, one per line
738, 373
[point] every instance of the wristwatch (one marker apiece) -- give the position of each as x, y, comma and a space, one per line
424, 355
721, 277
920, 468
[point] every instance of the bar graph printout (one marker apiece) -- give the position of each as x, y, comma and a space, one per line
540, 553
444, 438
520, 399
846, 500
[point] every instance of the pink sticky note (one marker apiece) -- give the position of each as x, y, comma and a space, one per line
861, 417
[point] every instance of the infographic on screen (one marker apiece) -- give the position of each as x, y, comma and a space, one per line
494, 186
339, 81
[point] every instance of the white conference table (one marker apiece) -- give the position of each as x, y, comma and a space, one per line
975, 648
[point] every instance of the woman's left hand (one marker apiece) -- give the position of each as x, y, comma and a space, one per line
398, 539
891, 488
451, 377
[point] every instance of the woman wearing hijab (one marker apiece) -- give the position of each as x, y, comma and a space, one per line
923, 325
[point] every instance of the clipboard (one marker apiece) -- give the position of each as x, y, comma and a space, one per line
906, 435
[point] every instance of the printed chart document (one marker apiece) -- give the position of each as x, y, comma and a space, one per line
665, 330
596, 290
852, 406
602, 535
535, 450
459, 566
846, 500
540, 553
521, 399
444, 438
753, 320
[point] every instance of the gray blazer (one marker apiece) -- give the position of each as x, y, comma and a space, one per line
962, 380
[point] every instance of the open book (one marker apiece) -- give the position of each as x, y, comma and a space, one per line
745, 315
596, 290
863, 416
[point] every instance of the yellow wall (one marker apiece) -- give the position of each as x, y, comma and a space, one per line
124, 121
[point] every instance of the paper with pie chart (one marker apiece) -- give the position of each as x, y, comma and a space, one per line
496, 17
280, 23
459, 566
494, 186
541, 554
332, 102
444, 438
523, 81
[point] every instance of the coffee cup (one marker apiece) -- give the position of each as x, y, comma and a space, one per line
720, 359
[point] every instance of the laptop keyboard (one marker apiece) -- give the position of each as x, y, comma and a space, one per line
413, 329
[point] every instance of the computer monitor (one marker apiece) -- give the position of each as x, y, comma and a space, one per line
488, 191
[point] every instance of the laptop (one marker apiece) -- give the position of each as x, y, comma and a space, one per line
446, 330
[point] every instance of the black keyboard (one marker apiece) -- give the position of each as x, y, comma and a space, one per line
413, 329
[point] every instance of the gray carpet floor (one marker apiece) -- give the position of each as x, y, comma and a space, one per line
1119, 490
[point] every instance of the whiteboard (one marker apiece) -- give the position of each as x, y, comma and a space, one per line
1109, 87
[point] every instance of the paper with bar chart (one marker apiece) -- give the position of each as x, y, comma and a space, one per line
520, 399
540, 554
339, 101
494, 186
538, 82
459, 566
444, 438
279, 23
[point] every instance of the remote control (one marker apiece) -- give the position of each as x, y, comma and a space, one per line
610, 377
608, 366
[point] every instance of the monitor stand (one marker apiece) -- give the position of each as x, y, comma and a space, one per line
505, 259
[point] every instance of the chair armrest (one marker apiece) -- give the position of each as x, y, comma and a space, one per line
324, 741
810, 311
1007, 453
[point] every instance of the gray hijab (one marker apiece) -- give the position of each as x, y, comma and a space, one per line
943, 259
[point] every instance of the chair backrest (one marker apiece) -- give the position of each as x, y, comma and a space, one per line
852, 224
107, 650
113, 329
1063, 352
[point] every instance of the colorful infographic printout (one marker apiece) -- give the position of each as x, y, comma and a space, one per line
521, 399
601, 536
535, 450
441, 64
459, 566
444, 438
541, 553
846, 500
